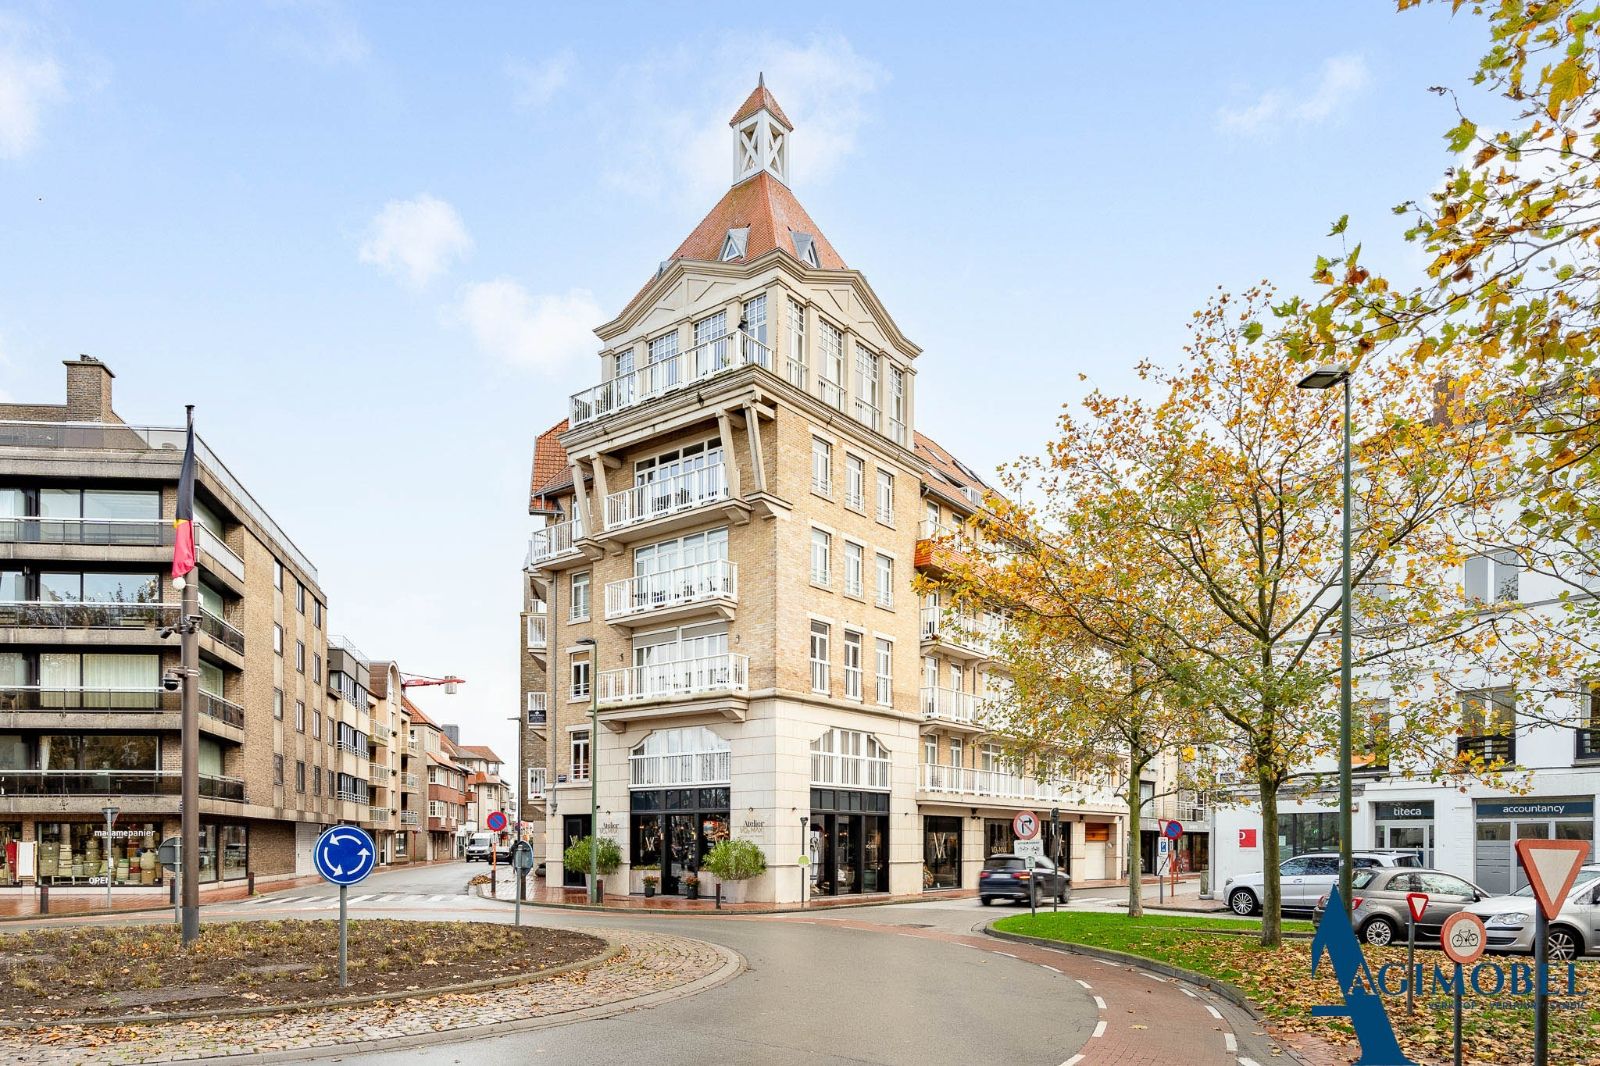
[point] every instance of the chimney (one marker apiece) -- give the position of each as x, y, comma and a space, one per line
89, 390
453, 732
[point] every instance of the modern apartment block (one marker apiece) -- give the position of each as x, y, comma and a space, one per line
86, 508
733, 519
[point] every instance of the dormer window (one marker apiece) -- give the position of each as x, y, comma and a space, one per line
733, 246
805, 247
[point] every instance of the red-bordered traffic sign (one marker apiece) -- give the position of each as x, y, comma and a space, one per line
1552, 866
1418, 904
1173, 830
1025, 825
496, 820
1463, 938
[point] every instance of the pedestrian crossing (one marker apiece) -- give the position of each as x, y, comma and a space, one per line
331, 900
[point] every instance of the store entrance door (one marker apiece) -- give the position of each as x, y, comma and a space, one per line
573, 827
683, 853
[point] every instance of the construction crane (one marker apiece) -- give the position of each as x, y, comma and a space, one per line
423, 681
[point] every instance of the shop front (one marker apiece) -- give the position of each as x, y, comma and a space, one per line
673, 829
76, 854
1406, 825
849, 842
941, 851
1499, 824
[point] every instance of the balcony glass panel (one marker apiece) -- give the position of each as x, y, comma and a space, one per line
667, 374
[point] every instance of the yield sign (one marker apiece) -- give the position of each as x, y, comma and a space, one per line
1552, 866
1418, 902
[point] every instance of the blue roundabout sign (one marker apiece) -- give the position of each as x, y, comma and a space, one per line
344, 854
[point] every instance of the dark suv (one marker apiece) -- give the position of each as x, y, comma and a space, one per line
1015, 877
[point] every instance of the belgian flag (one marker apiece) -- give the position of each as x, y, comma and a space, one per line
183, 520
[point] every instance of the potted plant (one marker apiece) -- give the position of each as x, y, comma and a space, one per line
691, 887
581, 852
650, 883
734, 862
640, 874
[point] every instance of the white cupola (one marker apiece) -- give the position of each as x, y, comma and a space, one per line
761, 133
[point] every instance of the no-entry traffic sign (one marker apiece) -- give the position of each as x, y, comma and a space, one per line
496, 821
1025, 825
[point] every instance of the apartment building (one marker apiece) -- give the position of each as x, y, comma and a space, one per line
387, 730
86, 508
442, 782
732, 521
1468, 830
487, 790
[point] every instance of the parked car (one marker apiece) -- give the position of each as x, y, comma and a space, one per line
479, 847
1304, 878
1574, 932
1378, 908
1015, 877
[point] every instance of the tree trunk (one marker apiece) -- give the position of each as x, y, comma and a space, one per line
1135, 888
1271, 886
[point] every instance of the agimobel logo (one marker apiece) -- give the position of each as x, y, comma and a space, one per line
1363, 1005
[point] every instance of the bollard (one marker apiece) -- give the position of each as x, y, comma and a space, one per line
719, 895
44, 899
250, 883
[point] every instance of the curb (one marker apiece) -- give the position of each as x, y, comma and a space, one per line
613, 949
631, 912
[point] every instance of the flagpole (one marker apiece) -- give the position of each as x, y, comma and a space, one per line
189, 790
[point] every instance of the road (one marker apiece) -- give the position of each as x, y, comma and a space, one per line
903, 984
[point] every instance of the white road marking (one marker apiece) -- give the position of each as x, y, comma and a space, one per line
1082, 982
1100, 1028
1213, 1012
442, 899
1230, 1043
1098, 1002
1074, 1060
913, 936
1007, 954
360, 899
1188, 993
1247, 1062
1052, 969
1152, 976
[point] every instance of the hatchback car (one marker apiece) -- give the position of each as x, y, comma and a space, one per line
1018, 878
1575, 931
1379, 911
1304, 878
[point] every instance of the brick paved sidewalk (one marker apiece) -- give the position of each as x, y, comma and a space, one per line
649, 963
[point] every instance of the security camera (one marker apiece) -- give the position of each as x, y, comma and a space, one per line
172, 681
164, 632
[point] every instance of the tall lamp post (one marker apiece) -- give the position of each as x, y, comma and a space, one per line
594, 777
1326, 377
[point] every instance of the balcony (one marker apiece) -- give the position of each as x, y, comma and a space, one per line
710, 675
211, 544
673, 771
830, 770
97, 532
379, 814
221, 631
538, 632
1586, 744
706, 360
1492, 748
949, 707
225, 711
989, 784
40, 698
352, 795
409, 780
960, 634
113, 783
536, 709
60, 614
671, 594
409, 818
663, 498
555, 541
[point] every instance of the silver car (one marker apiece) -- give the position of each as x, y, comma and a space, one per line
1379, 911
1574, 932
1304, 878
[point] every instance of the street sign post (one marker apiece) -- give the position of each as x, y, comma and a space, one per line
344, 855
1552, 866
1417, 904
521, 862
169, 855
496, 823
1463, 939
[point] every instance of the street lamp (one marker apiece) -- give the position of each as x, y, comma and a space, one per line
111, 865
594, 778
1326, 377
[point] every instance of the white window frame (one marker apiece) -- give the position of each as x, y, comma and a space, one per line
884, 503
883, 568
820, 649
575, 689
854, 569
796, 369
821, 557
822, 467
580, 740
583, 579
883, 671
855, 483
854, 650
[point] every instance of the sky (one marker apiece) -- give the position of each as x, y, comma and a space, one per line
370, 242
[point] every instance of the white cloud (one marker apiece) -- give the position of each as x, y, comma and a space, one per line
671, 110
540, 332
418, 239
321, 32
1341, 80
537, 83
30, 81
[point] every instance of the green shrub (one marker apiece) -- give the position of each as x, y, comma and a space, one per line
577, 856
735, 860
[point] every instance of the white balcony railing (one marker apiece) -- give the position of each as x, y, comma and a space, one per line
830, 393
897, 431
378, 814
212, 545
668, 495
979, 633
706, 675
868, 414
717, 579
538, 632
690, 768
707, 359
554, 541
995, 784
949, 705
849, 771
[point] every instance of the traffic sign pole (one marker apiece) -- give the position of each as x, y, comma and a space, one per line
1541, 978
1552, 867
1416, 906
1463, 939
1457, 1021
344, 941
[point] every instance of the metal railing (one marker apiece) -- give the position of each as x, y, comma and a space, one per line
716, 579
554, 540
220, 630
683, 677
112, 783
897, 431
130, 532
379, 814
58, 614
688, 768
409, 818
536, 708
976, 633
797, 372
949, 705
830, 393
212, 545
538, 632
851, 771
353, 747
1586, 743
353, 795
705, 360
668, 495
1492, 748
997, 784
222, 710
47, 698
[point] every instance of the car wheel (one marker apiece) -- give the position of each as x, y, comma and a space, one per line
1242, 903
1562, 944
1379, 932
985, 900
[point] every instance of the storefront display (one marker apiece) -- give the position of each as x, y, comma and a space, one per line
224, 851
1405, 824
941, 852
674, 829
76, 853
9, 832
849, 841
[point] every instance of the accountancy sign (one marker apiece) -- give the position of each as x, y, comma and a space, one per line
1363, 991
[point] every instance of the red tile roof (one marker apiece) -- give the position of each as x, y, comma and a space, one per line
952, 469
760, 97
766, 205
479, 751
549, 466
